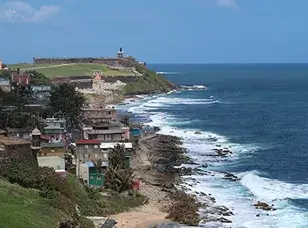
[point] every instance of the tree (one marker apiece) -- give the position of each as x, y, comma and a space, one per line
64, 98
118, 177
125, 120
37, 78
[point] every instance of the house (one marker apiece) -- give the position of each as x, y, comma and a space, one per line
88, 150
98, 115
105, 134
82, 82
41, 93
2, 132
55, 162
19, 133
21, 79
93, 176
55, 129
5, 84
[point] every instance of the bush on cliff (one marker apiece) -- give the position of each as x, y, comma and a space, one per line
150, 82
41, 178
184, 209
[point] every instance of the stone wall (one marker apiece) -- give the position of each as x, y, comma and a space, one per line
115, 62
124, 79
16, 153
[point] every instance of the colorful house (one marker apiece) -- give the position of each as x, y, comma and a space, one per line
93, 176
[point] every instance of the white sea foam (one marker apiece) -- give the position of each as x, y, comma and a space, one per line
238, 196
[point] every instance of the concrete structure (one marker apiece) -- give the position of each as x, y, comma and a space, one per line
98, 115
41, 93
55, 162
19, 133
21, 79
55, 128
0, 65
105, 135
87, 151
91, 175
5, 84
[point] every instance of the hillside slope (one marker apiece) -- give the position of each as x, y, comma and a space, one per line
150, 83
21, 207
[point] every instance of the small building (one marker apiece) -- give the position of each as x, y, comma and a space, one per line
55, 162
86, 151
93, 176
82, 83
105, 135
136, 132
5, 84
97, 115
41, 93
19, 133
55, 129
21, 79
3, 132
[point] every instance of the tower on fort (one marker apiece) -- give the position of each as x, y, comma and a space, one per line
121, 53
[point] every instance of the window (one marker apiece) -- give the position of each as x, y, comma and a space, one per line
95, 146
86, 146
96, 155
58, 167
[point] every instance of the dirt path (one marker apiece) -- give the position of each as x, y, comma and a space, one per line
151, 213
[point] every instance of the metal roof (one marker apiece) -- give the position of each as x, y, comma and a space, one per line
110, 145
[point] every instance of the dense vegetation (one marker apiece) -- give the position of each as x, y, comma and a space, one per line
65, 99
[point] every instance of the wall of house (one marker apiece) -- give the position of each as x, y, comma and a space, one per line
88, 152
55, 162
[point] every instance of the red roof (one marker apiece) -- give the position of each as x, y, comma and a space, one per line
88, 142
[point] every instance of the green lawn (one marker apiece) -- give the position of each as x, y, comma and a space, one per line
21, 207
71, 70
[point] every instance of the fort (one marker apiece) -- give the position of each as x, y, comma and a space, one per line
125, 62
120, 61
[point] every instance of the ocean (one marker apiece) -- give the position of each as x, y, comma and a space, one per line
260, 112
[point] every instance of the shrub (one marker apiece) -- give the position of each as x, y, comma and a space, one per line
184, 209
42, 178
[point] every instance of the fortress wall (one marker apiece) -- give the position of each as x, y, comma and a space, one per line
18, 153
108, 61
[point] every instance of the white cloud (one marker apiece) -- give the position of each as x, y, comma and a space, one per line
228, 3
18, 11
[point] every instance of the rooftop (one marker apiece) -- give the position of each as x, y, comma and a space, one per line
88, 142
11, 142
102, 132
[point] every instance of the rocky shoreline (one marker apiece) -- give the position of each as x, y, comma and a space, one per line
168, 172
166, 156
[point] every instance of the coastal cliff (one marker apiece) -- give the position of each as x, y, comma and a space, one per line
149, 83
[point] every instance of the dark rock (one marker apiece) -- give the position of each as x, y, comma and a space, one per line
68, 224
198, 133
264, 206
231, 176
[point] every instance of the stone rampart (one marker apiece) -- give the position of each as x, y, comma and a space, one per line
115, 62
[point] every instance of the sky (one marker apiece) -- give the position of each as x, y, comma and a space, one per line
156, 31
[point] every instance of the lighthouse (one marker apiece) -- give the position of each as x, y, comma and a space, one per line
121, 54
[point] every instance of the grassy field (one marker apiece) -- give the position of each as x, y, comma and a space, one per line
21, 207
71, 70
